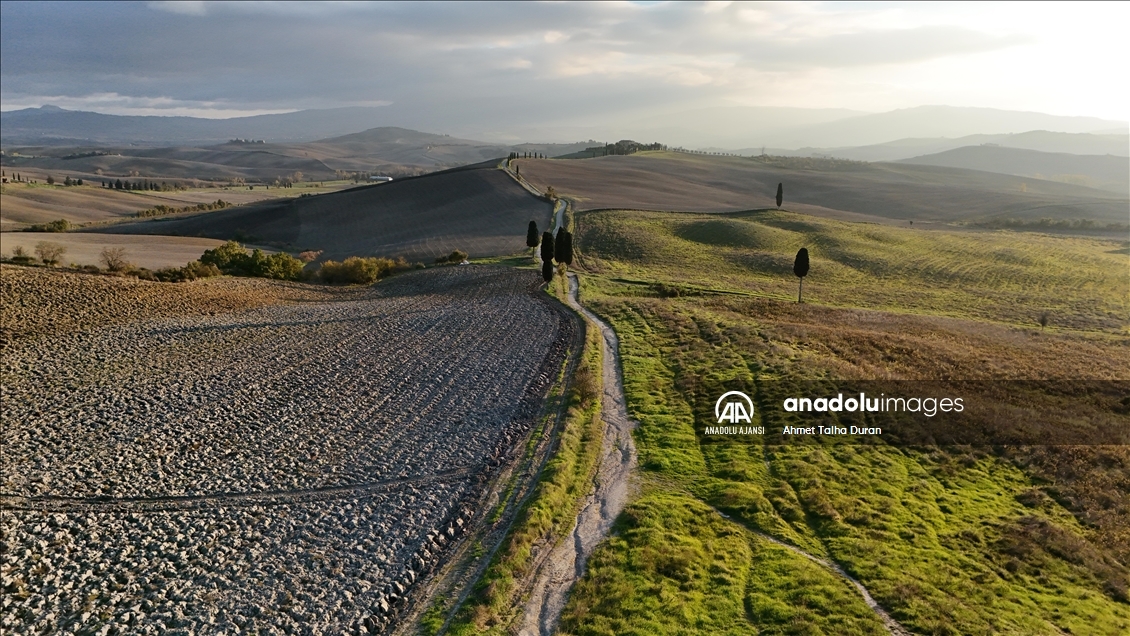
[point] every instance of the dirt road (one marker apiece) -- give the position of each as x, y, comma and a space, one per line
613, 486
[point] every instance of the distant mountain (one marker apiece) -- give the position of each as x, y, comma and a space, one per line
1105, 172
1042, 140
723, 127
932, 121
50, 125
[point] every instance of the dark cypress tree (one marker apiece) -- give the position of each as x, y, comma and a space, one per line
532, 235
547, 247
547, 271
800, 268
563, 247
118, 184
780, 195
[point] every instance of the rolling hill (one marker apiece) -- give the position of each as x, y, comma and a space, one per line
1105, 172
393, 151
478, 209
892, 192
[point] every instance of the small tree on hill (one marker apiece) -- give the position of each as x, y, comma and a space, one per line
780, 194
532, 235
800, 268
50, 180
547, 247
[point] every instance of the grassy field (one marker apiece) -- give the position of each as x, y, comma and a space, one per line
949, 540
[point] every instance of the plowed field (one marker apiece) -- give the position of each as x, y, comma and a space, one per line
286, 467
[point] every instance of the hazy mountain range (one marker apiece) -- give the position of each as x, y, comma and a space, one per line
726, 127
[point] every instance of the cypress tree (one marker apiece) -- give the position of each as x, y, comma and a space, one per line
800, 268
563, 247
547, 271
532, 235
547, 247
118, 184
781, 197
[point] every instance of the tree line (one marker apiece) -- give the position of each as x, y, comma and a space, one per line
559, 248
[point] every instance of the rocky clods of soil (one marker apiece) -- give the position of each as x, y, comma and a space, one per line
273, 468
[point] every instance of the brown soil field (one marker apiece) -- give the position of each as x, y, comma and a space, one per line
851, 191
252, 456
40, 301
22, 205
151, 252
479, 210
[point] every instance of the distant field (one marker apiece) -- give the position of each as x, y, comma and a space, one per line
949, 540
828, 188
152, 252
23, 204
481, 211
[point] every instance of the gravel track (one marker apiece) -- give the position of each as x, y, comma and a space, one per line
612, 487
285, 468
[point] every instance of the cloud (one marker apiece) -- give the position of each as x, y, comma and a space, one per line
183, 7
453, 62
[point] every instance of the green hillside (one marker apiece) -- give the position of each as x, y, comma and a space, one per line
948, 540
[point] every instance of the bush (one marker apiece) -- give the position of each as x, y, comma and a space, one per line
191, 271
49, 253
458, 256
19, 255
62, 225
225, 257
359, 271
114, 258
231, 258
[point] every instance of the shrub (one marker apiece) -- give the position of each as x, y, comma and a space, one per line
62, 225
191, 271
458, 256
19, 255
114, 258
225, 257
309, 256
231, 258
359, 271
49, 253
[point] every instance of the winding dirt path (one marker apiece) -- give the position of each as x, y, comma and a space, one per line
613, 487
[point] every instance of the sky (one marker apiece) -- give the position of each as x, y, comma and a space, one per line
482, 66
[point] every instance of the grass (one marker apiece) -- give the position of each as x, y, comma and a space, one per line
550, 512
949, 540
997, 276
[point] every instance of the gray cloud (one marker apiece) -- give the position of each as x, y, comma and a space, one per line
478, 65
